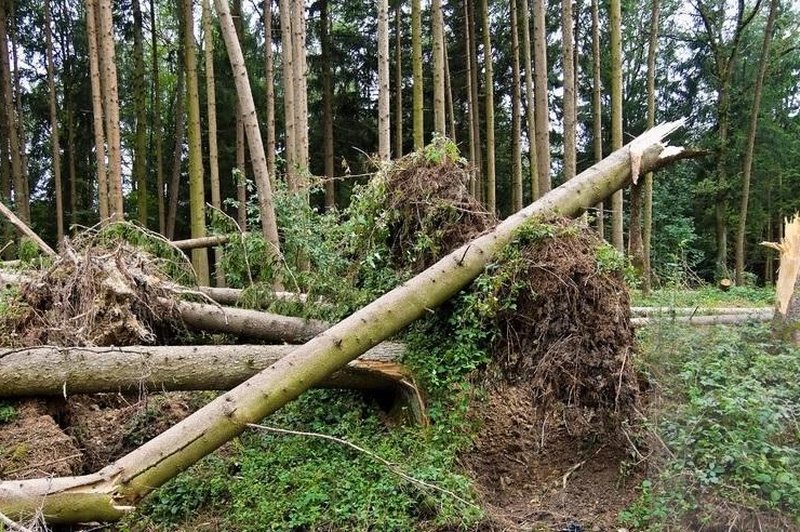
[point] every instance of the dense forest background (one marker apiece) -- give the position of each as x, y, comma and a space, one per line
478, 64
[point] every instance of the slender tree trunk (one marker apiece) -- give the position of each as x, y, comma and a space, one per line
472, 52
327, 106
112, 492
529, 98
97, 111
437, 32
157, 139
747, 163
300, 90
448, 93
516, 119
269, 89
211, 109
11, 119
491, 203
269, 225
471, 101
570, 118
416, 61
54, 137
241, 174
615, 16
542, 111
384, 127
180, 114
289, 103
398, 80
140, 147
72, 164
597, 111
109, 73
647, 231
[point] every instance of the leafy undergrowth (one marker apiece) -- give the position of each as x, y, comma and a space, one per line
269, 481
706, 296
725, 428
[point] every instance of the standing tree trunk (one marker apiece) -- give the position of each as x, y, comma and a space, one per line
615, 16
9, 115
516, 120
241, 171
140, 145
398, 80
211, 107
647, 231
477, 163
54, 142
112, 492
72, 164
197, 197
542, 112
747, 163
287, 71
448, 92
97, 111
570, 119
491, 202
180, 116
384, 127
437, 31
416, 61
471, 101
109, 73
327, 106
529, 98
269, 225
597, 111
300, 90
269, 89
157, 120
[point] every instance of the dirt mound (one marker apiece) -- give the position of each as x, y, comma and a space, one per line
92, 295
34, 446
432, 209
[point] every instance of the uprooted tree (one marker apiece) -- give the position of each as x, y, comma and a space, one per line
114, 490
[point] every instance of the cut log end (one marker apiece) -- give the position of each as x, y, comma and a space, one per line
725, 284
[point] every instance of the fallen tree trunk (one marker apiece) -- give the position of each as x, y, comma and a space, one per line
232, 296
694, 311
74, 370
26, 231
111, 492
718, 319
202, 242
786, 324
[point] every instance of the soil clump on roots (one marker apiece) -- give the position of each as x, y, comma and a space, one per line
561, 384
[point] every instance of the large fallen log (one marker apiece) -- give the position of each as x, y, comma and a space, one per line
114, 490
232, 296
72, 370
202, 242
694, 311
786, 324
714, 319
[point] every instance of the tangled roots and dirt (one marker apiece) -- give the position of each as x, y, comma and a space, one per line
93, 296
432, 208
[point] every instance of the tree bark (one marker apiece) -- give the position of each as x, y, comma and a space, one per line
719, 319
175, 181
300, 89
747, 162
615, 16
542, 111
287, 71
384, 126
786, 324
477, 161
211, 109
516, 119
597, 111
647, 217
140, 155
529, 98
327, 106
448, 96
54, 140
417, 103
112, 492
398, 80
241, 171
570, 117
111, 102
437, 31
488, 82
269, 225
97, 111
60, 371
157, 138
269, 90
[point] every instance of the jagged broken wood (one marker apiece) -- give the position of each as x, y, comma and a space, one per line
72, 370
786, 324
114, 490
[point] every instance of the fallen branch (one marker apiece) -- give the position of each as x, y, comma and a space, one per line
25, 230
719, 319
113, 491
232, 296
74, 370
202, 242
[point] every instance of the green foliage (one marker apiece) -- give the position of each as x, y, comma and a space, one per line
8, 412
731, 427
707, 296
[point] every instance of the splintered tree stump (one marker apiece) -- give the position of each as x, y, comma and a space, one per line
786, 323
725, 284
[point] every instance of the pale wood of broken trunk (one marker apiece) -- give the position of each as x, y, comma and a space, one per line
113, 491
786, 324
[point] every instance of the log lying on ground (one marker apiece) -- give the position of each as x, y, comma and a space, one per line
111, 492
786, 324
718, 319
694, 311
232, 296
202, 242
73, 370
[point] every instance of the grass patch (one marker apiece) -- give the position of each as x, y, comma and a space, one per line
729, 414
706, 296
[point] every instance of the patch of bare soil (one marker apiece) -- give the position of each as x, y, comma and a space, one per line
34, 446
553, 453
